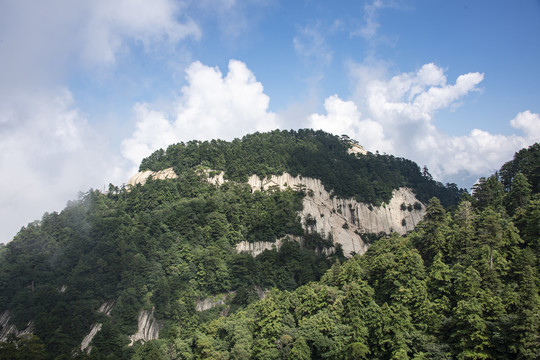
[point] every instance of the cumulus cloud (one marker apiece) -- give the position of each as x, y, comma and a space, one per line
529, 123
343, 117
397, 117
48, 153
211, 106
416, 96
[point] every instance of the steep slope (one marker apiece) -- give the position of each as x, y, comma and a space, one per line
345, 221
462, 285
159, 246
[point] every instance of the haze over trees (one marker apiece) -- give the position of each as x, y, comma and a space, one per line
463, 285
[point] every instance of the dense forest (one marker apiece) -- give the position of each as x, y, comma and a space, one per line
316, 154
463, 285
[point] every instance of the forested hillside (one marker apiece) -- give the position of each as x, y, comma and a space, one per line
463, 285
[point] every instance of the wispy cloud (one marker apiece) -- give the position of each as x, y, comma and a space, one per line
233, 18
48, 154
310, 43
369, 29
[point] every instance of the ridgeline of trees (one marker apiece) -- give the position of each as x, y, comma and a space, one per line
369, 178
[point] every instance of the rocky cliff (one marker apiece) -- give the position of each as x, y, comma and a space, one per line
106, 309
345, 220
149, 327
7, 328
143, 176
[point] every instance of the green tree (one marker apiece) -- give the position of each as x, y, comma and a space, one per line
432, 238
488, 192
300, 350
490, 232
528, 222
525, 338
470, 332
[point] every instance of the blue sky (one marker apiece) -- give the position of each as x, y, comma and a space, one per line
89, 88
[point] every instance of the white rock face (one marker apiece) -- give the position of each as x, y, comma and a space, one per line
222, 299
345, 219
149, 327
6, 328
212, 301
256, 248
357, 149
216, 179
142, 177
342, 219
106, 309
85, 343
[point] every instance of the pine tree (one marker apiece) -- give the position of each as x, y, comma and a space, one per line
519, 194
433, 232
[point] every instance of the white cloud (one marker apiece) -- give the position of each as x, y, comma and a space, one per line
40, 37
397, 118
371, 25
478, 153
343, 117
48, 150
153, 131
369, 29
311, 44
211, 106
111, 23
234, 18
48, 154
529, 123
416, 96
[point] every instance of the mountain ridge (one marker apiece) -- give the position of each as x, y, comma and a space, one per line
158, 249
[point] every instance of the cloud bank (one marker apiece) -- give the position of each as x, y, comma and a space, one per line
49, 152
396, 116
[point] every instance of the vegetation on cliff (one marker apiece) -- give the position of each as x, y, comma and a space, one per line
369, 178
463, 285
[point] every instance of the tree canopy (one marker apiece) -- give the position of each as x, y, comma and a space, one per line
463, 285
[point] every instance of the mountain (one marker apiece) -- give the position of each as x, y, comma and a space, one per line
255, 229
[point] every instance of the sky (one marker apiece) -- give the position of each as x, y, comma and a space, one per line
89, 88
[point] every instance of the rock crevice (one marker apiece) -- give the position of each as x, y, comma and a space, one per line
149, 327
